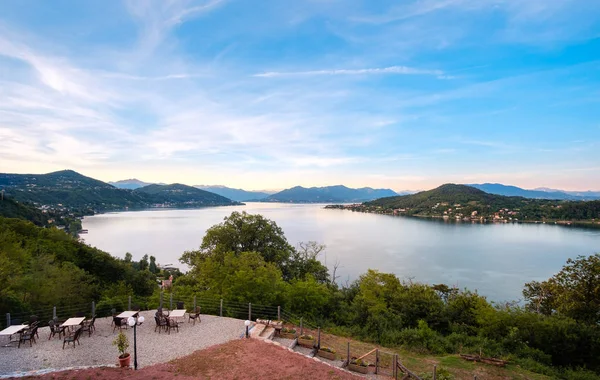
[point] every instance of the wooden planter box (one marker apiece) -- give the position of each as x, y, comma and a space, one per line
287, 335
308, 343
361, 369
326, 355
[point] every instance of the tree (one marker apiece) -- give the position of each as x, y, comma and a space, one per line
128, 257
242, 232
144, 263
152, 266
573, 292
304, 262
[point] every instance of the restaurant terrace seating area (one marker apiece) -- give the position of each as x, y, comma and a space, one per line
84, 339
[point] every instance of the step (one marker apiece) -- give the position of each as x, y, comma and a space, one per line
267, 333
257, 330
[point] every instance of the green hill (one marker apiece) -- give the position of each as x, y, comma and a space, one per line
69, 190
9, 208
465, 202
182, 195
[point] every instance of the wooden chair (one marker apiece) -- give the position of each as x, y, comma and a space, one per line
119, 323
89, 326
172, 324
180, 305
55, 329
194, 314
72, 338
28, 335
161, 322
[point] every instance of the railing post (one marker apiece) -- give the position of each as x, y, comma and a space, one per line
319, 338
301, 328
221, 308
434, 372
395, 366
377, 361
279, 313
129, 303
171, 301
54, 312
7, 319
93, 309
249, 311
348, 354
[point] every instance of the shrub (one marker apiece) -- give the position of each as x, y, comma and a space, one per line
288, 331
122, 344
327, 349
307, 337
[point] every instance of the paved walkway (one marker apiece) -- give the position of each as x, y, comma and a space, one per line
152, 347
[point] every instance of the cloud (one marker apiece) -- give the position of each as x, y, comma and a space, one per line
399, 70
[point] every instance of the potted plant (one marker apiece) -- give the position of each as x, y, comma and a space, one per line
307, 341
288, 333
360, 366
327, 353
122, 344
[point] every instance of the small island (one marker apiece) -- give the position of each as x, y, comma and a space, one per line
468, 204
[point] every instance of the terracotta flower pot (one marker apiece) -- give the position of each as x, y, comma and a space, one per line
124, 361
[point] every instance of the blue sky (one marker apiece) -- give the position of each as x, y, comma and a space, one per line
270, 94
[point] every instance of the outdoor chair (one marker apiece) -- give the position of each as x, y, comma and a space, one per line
89, 326
55, 329
72, 338
161, 323
28, 335
33, 322
135, 308
180, 305
113, 312
195, 314
15, 322
119, 323
80, 314
172, 324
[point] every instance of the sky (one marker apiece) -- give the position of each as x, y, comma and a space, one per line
269, 94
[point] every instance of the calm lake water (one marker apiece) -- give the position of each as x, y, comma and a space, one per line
494, 259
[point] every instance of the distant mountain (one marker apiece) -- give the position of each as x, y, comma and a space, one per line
71, 190
466, 202
179, 195
583, 194
329, 194
239, 195
513, 191
130, 184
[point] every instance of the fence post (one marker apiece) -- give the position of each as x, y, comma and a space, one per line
434, 372
129, 304
279, 313
474, 377
171, 301
395, 366
348, 354
161, 299
7, 319
194, 303
54, 312
93, 309
377, 361
221, 308
319, 338
249, 311
301, 328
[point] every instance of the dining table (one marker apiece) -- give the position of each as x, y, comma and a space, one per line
10, 331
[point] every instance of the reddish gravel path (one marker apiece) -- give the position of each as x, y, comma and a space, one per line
239, 359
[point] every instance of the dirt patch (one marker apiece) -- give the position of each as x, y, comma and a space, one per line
239, 359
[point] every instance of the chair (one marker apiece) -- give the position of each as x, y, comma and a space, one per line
180, 305
89, 326
33, 322
55, 329
161, 323
72, 338
28, 335
195, 314
14, 322
172, 324
80, 314
120, 323
135, 308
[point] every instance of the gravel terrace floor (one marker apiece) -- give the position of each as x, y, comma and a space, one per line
152, 347
241, 359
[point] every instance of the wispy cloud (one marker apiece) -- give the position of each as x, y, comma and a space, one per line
398, 70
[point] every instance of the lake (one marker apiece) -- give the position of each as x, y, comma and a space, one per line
494, 259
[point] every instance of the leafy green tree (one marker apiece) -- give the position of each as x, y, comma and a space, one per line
152, 266
573, 292
304, 262
308, 297
128, 257
144, 263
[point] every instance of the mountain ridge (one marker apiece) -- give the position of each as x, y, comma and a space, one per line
328, 194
